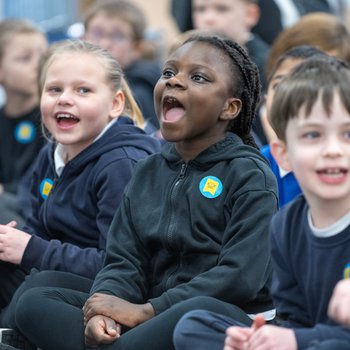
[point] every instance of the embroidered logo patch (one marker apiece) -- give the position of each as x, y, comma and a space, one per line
45, 187
210, 187
25, 132
347, 271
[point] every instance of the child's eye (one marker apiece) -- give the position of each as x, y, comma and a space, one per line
167, 73
53, 89
311, 135
199, 78
83, 90
222, 8
24, 58
347, 134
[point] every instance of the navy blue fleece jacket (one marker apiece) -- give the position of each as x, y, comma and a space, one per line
71, 213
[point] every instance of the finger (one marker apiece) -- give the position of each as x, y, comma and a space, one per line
258, 322
111, 328
12, 223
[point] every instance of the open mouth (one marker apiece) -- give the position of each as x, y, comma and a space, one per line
333, 175
173, 110
332, 171
66, 120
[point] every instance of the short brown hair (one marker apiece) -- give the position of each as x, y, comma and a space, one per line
122, 9
10, 27
322, 30
316, 77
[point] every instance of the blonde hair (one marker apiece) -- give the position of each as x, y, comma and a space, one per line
114, 73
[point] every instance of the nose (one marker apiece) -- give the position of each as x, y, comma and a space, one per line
176, 82
208, 20
333, 147
65, 98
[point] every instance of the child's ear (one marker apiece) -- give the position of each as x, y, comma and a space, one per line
252, 15
118, 104
278, 150
232, 108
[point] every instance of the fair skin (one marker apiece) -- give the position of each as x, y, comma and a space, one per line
116, 36
339, 305
193, 122
320, 159
234, 18
18, 71
285, 67
76, 104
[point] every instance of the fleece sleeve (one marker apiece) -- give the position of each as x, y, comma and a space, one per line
47, 253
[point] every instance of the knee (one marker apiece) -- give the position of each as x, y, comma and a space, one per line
26, 307
183, 329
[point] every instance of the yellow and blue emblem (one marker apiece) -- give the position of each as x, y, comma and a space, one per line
347, 271
45, 187
210, 187
25, 132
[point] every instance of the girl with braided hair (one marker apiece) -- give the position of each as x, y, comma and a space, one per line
192, 229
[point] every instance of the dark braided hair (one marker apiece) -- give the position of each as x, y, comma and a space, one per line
245, 81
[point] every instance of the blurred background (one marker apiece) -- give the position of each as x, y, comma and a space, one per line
56, 17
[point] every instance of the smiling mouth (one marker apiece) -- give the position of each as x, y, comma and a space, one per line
333, 171
65, 119
173, 110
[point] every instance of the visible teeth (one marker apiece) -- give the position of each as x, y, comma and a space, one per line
67, 116
333, 171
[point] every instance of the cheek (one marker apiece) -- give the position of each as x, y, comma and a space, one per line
157, 93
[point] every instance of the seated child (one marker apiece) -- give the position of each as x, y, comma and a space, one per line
311, 117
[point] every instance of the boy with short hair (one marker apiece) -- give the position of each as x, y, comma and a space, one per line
21, 46
310, 237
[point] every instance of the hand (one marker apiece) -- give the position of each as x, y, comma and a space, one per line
270, 337
101, 330
238, 337
339, 305
120, 310
13, 243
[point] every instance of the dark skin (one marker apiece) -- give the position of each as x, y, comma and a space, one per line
194, 104
199, 78
103, 315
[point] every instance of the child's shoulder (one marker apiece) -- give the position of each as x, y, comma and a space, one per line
291, 218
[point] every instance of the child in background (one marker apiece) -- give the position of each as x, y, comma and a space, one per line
185, 234
288, 187
79, 177
311, 117
21, 46
321, 30
119, 27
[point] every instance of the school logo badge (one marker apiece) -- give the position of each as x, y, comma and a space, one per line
210, 187
25, 132
347, 271
45, 187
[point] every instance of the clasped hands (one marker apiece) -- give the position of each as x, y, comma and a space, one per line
105, 314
